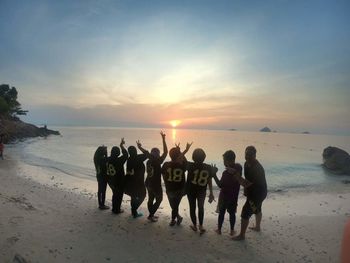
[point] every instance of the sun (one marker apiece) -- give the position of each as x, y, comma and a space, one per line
174, 123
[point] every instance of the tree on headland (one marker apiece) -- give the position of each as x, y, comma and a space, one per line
9, 106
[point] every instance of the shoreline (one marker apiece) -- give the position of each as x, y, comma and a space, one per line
45, 224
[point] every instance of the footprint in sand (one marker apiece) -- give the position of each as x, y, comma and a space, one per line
15, 220
12, 240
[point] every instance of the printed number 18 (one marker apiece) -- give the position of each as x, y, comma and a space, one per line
175, 175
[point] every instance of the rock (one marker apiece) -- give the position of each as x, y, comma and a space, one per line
15, 129
265, 129
336, 160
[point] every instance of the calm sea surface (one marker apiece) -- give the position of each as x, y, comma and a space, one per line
290, 160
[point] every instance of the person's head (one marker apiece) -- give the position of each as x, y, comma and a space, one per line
174, 153
250, 153
198, 155
115, 151
155, 152
229, 158
132, 151
101, 152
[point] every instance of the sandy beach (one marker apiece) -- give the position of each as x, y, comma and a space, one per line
40, 223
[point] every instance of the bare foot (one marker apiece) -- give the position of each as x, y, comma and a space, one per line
256, 229
194, 228
218, 231
238, 238
201, 230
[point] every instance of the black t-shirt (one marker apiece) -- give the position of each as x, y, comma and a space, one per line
198, 176
255, 174
153, 179
174, 176
115, 168
135, 171
101, 168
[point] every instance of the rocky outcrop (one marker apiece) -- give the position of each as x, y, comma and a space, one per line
14, 129
336, 160
265, 129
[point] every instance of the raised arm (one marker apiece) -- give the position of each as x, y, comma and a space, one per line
124, 151
144, 151
165, 148
188, 146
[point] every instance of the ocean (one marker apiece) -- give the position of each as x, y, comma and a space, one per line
291, 161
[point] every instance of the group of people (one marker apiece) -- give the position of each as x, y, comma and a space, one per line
181, 177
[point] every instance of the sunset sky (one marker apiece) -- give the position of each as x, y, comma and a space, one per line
209, 64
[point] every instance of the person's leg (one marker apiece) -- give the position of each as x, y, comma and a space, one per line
221, 217
136, 201
151, 198
178, 201
246, 214
192, 205
159, 199
200, 201
258, 218
101, 193
232, 212
118, 200
171, 200
114, 198
134, 205
258, 215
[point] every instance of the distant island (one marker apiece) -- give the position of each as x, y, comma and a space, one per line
11, 127
232, 129
265, 129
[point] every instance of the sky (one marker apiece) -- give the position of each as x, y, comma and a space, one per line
209, 64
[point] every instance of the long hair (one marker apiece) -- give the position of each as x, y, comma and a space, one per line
100, 153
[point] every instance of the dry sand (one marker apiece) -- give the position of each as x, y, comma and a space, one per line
39, 223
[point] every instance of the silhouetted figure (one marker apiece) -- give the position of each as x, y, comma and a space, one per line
100, 161
174, 178
153, 179
199, 175
256, 193
116, 175
135, 176
229, 189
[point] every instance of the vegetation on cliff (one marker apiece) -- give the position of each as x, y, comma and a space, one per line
11, 127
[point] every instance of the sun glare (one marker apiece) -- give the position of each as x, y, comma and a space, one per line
174, 123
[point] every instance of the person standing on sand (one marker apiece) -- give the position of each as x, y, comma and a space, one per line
135, 176
116, 174
229, 189
153, 180
174, 178
100, 161
256, 193
199, 175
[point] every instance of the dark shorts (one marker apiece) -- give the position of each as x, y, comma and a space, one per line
229, 206
251, 207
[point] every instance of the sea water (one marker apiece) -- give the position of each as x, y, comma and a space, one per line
291, 161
